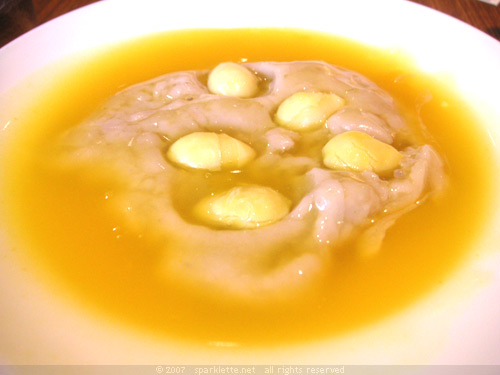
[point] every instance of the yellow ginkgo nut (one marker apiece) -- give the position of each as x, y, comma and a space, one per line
304, 111
232, 79
358, 151
243, 207
210, 151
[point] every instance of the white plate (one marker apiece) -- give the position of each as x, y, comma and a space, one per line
466, 328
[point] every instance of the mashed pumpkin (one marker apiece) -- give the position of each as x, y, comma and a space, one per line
146, 238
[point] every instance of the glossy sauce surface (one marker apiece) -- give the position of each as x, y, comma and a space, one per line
69, 231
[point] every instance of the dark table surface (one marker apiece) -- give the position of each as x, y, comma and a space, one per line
31, 13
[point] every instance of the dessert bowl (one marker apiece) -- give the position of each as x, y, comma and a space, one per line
454, 322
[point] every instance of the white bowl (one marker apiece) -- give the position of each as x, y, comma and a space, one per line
36, 329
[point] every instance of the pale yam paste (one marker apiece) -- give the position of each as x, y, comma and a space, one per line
132, 133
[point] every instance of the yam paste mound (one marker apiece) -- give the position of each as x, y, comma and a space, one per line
251, 177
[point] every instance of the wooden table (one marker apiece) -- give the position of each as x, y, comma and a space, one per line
485, 17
